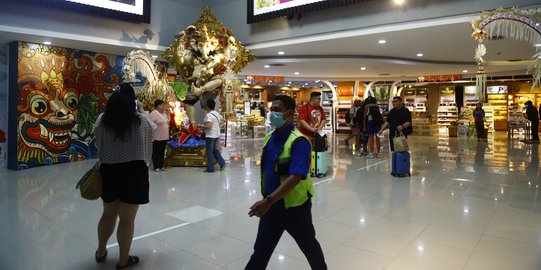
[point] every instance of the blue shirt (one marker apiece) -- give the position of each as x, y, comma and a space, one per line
299, 161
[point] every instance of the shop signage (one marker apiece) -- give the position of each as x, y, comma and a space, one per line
345, 91
447, 90
265, 79
439, 78
409, 92
497, 89
422, 92
470, 90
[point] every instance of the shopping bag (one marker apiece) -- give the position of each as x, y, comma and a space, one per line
400, 143
90, 185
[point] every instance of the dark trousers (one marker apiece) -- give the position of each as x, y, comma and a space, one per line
480, 129
211, 145
297, 221
535, 127
158, 153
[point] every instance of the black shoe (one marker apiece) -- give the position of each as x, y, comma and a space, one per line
131, 261
207, 170
100, 259
222, 167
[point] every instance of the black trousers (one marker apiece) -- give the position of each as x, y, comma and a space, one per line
535, 127
480, 129
158, 153
297, 221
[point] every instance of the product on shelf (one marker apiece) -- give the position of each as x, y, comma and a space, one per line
499, 104
489, 117
447, 116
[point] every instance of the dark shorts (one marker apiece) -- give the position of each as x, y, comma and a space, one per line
127, 182
372, 127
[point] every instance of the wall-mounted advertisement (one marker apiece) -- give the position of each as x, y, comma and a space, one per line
260, 10
497, 89
129, 10
267, 6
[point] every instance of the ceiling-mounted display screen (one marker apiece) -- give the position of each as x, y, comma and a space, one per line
127, 10
260, 10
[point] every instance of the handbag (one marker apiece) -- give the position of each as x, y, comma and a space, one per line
400, 143
91, 184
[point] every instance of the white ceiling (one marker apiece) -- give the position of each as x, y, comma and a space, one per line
446, 45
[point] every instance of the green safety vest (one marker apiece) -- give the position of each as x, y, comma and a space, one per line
304, 188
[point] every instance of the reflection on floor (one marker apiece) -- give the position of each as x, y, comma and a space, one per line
468, 205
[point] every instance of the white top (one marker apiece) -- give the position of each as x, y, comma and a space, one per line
215, 118
137, 146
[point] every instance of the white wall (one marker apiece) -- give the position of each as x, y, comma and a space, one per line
372, 13
3, 104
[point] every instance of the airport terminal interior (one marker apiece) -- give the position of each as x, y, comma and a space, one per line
468, 201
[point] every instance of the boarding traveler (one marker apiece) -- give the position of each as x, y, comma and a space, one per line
311, 116
398, 120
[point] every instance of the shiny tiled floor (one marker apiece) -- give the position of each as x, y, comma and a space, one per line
468, 205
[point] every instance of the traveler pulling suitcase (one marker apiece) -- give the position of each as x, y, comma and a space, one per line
400, 164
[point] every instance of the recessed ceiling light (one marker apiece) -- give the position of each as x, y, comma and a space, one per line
382, 41
363, 68
47, 42
399, 2
419, 55
296, 73
266, 66
465, 71
281, 53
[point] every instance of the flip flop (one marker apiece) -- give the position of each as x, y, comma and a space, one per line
131, 261
100, 259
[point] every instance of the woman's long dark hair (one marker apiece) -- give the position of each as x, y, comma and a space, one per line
120, 114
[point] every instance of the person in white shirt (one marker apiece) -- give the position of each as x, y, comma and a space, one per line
212, 136
161, 119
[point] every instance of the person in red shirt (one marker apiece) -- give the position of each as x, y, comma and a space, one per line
312, 117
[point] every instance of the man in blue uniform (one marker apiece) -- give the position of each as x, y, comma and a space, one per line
287, 188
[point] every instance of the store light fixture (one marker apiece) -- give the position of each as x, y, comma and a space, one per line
419, 55
399, 2
47, 42
382, 41
363, 68
465, 71
281, 53
296, 73
266, 66
538, 45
